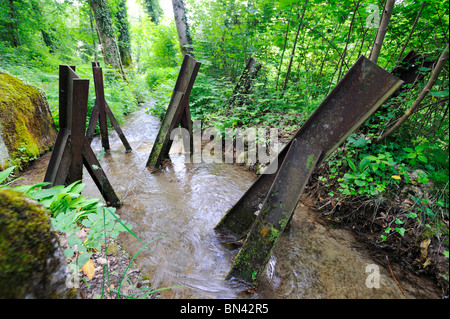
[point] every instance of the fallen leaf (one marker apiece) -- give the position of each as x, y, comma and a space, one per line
427, 263
396, 177
424, 248
88, 269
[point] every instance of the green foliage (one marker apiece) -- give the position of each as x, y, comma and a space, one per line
70, 212
160, 82
389, 171
153, 10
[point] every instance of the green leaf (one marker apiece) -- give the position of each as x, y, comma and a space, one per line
440, 93
5, 173
109, 226
351, 164
77, 188
411, 215
119, 227
360, 183
83, 259
419, 148
93, 217
86, 222
441, 203
44, 193
68, 252
401, 231
114, 233
29, 188
73, 240
364, 164
429, 211
422, 159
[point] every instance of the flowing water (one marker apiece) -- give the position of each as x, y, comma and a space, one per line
178, 206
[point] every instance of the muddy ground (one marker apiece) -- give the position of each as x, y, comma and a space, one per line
406, 256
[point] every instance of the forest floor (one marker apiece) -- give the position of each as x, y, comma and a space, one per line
105, 282
402, 255
412, 253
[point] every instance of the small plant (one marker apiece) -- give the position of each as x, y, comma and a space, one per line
416, 154
398, 228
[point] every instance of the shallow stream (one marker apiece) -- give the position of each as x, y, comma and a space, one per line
178, 207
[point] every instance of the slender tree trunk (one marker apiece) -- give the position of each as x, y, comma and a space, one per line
348, 39
434, 76
106, 35
376, 49
300, 25
284, 49
328, 49
184, 37
124, 34
362, 41
330, 42
410, 33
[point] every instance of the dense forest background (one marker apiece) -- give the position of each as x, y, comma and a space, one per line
394, 170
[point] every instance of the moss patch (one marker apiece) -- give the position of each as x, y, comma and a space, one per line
27, 127
28, 250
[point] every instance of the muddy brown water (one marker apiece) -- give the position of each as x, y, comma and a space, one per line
178, 206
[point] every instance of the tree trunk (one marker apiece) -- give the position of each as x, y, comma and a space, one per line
184, 37
154, 11
47, 37
284, 48
434, 76
376, 49
348, 39
94, 42
124, 34
300, 25
244, 84
13, 25
106, 35
410, 33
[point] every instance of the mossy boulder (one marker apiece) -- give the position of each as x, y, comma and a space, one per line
32, 264
27, 128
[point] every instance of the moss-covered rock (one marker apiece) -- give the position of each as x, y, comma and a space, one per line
27, 128
32, 264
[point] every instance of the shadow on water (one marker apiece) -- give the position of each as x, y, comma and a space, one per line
178, 207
